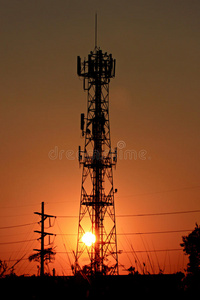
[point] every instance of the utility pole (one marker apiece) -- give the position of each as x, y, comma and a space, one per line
42, 236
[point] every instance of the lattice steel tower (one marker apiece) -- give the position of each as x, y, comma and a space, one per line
97, 209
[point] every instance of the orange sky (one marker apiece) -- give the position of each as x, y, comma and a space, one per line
154, 106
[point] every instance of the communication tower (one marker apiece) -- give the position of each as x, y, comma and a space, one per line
97, 209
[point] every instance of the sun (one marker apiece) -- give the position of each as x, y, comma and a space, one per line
88, 239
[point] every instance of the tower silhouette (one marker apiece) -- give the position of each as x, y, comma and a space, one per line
97, 209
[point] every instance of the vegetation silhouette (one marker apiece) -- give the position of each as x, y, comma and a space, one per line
191, 247
49, 256
3, 268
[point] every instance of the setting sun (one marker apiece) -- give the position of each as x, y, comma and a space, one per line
88, 239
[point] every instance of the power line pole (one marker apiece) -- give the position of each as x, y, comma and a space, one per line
42, 236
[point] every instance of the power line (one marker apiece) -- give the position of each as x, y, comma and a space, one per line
158, 250
67, 217
161, 192
137, 251
138, 233
155, 232
15, 226
147, 214
13, 216
11, 260
17, 242
133, 195
160, 213
117, 216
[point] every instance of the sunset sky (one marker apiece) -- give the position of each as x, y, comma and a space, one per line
154, 106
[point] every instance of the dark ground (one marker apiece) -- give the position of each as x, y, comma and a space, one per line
106, 287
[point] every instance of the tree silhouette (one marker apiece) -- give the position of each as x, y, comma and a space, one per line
191, 246
49, 256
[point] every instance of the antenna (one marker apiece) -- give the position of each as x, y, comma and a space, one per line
95, 30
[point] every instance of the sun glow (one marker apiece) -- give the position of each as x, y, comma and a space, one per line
88, 239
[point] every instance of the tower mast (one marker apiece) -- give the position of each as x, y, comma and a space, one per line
97, 210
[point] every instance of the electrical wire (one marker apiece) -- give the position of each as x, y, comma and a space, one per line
161, 192
147, 214
138, 233
155, 232
160, 213
139, 251
17, 242
118, 234
21, 225
158, 250
11, 260
117, 216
